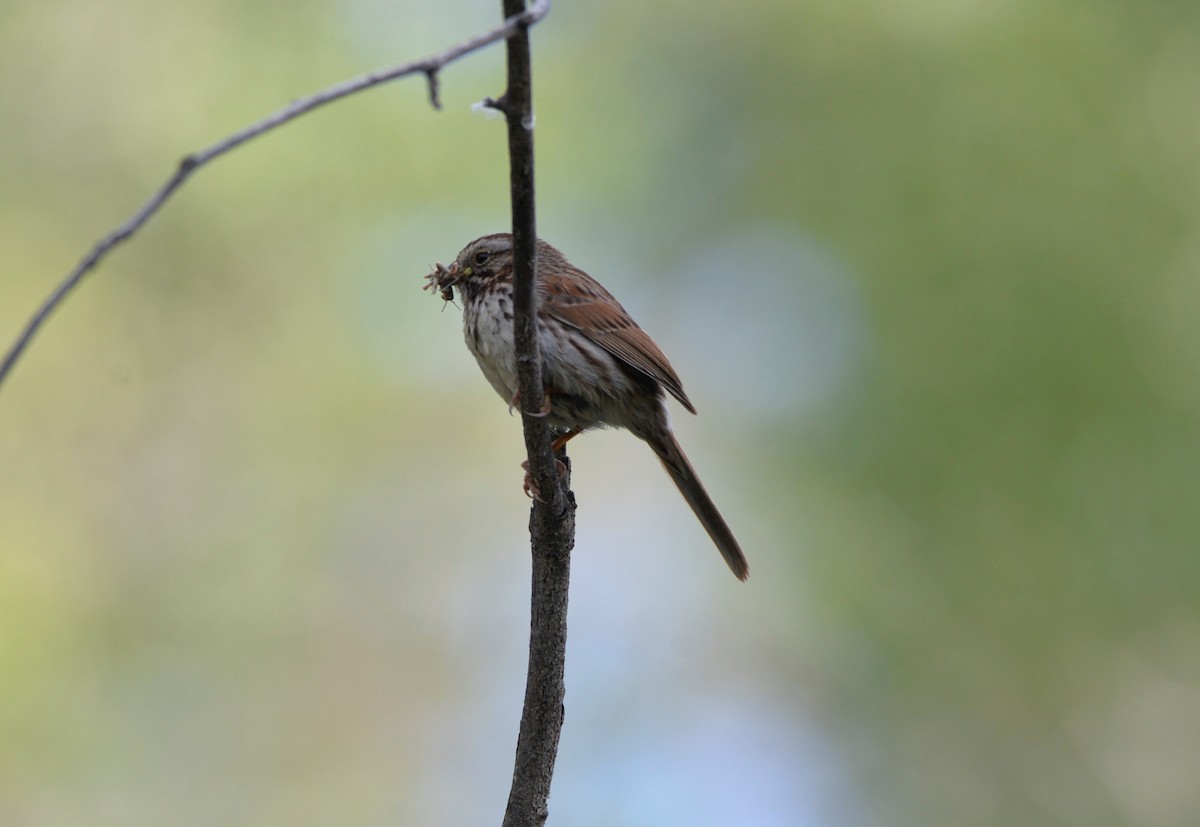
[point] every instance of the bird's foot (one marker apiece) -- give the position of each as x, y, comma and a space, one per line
530, 487
516, 401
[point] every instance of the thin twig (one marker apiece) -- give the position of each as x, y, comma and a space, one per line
429, 66
552, 518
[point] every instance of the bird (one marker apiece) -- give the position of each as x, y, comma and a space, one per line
598, 366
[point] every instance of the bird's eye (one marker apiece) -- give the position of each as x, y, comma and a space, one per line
481, 257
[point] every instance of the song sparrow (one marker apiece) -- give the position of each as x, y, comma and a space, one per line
598, 366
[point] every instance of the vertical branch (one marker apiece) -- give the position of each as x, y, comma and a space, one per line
552, 518
517, 105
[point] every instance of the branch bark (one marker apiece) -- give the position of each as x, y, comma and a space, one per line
552, 517
429, 67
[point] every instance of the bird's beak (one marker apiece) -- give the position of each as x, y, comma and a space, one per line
455, 269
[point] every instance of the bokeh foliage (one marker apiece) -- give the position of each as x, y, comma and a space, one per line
929, 270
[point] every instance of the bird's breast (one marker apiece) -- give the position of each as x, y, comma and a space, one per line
488, 330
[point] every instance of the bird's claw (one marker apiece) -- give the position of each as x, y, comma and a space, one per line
531, 488
516, 400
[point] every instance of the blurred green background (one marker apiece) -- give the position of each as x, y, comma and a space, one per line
929, 270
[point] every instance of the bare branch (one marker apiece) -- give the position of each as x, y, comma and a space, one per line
428, 66
552, 518
435, 99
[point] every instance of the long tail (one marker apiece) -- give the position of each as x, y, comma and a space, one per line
680, 470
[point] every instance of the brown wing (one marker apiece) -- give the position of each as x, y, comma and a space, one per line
576, 299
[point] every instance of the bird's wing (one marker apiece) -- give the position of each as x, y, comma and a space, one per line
580, 301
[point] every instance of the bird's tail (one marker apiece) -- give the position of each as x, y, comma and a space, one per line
681, 472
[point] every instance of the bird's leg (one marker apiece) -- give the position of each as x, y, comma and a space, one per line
557, 445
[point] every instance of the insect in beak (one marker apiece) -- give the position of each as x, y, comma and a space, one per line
442, 280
